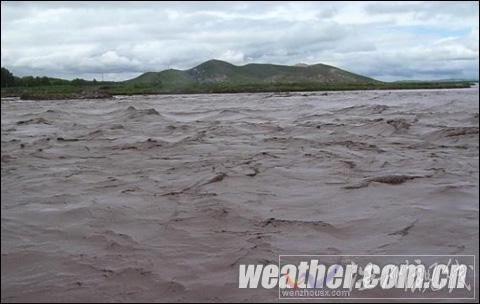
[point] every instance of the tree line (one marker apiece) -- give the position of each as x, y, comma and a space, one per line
9, 80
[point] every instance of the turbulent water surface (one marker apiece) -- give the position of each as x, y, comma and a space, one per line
162, 197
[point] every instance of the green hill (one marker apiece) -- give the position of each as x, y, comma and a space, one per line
215, 73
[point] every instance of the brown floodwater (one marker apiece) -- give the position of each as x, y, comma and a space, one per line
156, 198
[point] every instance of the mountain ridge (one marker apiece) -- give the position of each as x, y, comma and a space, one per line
216, 71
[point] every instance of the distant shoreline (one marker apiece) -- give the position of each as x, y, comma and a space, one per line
102, 92
213, 76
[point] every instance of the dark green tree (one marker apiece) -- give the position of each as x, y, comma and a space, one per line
79, 82
7, 80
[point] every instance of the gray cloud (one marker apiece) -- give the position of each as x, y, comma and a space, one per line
389, 41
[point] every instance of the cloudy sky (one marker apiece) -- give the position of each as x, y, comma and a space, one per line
384, 40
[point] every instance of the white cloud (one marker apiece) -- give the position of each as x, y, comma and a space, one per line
387, 40
233, 56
